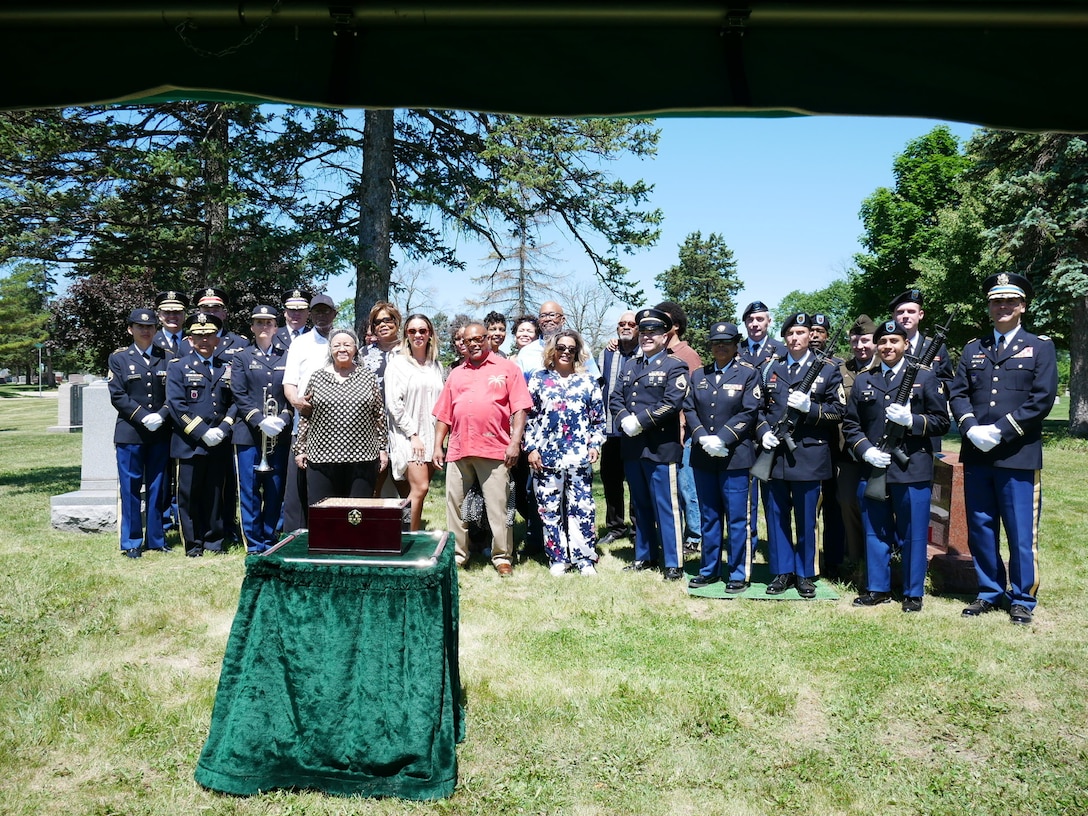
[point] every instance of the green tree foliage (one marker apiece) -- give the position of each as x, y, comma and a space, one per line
900, 222
435, 174
136, 199
704, 283
1032, 191
836, 300
23, 316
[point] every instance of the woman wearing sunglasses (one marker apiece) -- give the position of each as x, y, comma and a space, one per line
563, 438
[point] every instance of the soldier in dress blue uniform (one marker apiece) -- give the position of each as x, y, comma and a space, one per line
212, 301
646, 406
908, 312
137, 386
904, 517
720, 411
202, 409
170, 307
758, 348
1004, 388
296, 311
797, 475
263, 420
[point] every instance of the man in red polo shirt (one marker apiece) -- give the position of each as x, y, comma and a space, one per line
482, 410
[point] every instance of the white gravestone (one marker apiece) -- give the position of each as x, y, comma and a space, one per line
92, 508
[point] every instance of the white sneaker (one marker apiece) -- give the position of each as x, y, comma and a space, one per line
587, 568
559, 568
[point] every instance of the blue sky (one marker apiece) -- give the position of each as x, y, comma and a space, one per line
783, 193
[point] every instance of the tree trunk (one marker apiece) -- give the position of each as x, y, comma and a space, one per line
216, 147
1078, 369
375, 214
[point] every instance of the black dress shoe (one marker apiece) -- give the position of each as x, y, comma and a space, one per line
872, 599
703, 580
195, 552
977, 607
736, 587
640, 566
610, 537
780, 584
673, 574
693, 545
1020, 615
133, 553
806, 587
912, 604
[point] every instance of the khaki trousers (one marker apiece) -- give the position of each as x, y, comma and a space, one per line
494, 479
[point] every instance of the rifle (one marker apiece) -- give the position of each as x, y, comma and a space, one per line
784, 428
892, 439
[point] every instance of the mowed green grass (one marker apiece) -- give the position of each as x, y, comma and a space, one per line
610, 695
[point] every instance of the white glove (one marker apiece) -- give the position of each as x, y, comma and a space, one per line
152, 422
770, 441
272, 425
629, 425
713, 445
799, 401
212, 437
984, 437
877, 458
899, 414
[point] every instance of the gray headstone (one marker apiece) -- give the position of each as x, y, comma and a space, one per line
92, 508
69, 409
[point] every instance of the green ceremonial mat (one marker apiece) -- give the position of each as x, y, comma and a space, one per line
761, 576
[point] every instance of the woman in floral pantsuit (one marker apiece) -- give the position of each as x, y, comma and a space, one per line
563, 439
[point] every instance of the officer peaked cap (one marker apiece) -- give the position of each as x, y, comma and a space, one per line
1007, 285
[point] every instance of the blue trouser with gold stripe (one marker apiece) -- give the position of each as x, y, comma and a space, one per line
903, 518
723, 505
658, 525
1013, 498
789, 554
142, 467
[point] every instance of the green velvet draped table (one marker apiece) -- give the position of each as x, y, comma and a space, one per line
341, 675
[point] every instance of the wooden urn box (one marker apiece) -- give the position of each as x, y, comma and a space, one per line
340, 526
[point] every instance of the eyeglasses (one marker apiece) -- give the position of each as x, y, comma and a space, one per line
565, 349
380, 320
418, 331
474, 341
627, 323
549, 315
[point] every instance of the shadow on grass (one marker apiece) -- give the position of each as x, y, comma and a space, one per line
49, 480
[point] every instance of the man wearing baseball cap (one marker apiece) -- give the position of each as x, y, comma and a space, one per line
306, 355
141, 436
1004, 388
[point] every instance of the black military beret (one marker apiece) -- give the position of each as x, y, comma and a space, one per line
796, 319
889, 327
754, 306
910, 296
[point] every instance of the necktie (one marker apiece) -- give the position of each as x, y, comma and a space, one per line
147, 358
888, 375
1001, 342
174, 342
794, 368
755, 349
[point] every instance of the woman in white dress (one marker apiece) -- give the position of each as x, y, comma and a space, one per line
413, 381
